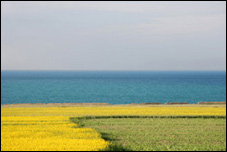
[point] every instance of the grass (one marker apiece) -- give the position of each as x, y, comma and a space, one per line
141, 133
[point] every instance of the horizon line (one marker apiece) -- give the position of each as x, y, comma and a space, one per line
113, 70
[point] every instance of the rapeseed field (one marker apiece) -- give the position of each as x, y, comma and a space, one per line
47, 133
113, 110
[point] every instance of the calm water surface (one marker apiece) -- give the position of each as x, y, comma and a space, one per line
114, 87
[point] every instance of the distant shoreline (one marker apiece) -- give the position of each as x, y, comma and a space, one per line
107, 104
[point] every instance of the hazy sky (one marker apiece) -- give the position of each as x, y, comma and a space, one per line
113, 35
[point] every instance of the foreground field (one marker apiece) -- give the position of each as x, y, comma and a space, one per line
50, 128
162, 134
47, 133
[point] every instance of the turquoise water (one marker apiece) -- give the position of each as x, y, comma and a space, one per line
114, 87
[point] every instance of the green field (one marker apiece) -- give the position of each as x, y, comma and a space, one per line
161, 134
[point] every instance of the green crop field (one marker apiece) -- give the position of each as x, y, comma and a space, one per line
161, 134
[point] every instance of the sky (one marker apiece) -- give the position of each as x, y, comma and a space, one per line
117, 35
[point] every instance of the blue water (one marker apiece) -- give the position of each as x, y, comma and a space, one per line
114, 87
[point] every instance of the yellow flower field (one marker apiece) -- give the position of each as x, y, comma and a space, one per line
49, 128
112, 110
48, 133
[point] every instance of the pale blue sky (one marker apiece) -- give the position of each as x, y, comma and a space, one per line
113, 35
